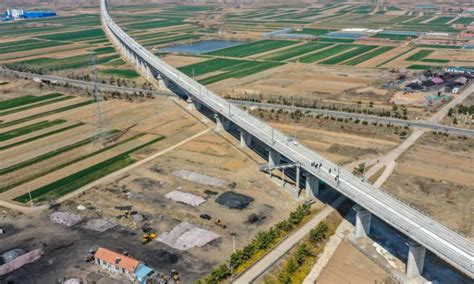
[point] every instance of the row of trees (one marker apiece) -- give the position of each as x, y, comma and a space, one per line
292, 265
400, 112
261, 242
297, 115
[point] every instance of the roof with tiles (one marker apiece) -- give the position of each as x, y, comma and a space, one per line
120, 260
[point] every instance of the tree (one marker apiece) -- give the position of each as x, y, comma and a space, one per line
450, 112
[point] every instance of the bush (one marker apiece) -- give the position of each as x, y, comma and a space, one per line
218, 274
319, 233
283, 226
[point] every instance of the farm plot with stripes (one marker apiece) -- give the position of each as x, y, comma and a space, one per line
50, 146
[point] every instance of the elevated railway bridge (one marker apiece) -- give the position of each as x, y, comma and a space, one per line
424, 232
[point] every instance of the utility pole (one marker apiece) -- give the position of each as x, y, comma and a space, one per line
101, 133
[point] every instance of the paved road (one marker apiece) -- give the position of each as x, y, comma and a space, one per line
445, 243
88, 84
431, 125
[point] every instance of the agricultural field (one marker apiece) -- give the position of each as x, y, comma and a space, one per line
50, 146
252, 48
222, 68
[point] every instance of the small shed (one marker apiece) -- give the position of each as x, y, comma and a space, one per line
142, 273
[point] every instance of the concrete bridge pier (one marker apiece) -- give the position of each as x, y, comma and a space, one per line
312, 186
297, 181
274, 158
245, 139
163, 86
363, 217
221, 123
149, 74
416, 260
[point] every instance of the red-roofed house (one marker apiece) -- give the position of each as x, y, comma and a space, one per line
116, 263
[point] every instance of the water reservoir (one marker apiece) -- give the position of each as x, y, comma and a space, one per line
201, 46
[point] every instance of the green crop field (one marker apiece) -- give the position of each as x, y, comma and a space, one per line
171, 39
115, 62
64, 164
369, 55
230, 68
28, 129
419, 19
28, 47
28, 118
45, 156
395, 57
440, 21
40, 136
123, 73
60, 99
314, 57
464, 20
18, 43
347, 55
423, 67
295, 51
73, 62
207, 66
75, 35
21, 101
336, 40
153, 24
433, 60
436, 46
252, 48
153, 36
420, 55
83, 177
241, 70
103, 50
393, 36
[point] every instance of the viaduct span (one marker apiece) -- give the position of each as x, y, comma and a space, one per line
310, 167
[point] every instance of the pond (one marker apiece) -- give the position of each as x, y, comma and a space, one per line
201, 46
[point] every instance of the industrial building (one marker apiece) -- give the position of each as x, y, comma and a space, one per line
16, 14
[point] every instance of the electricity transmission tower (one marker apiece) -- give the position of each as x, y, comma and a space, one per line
101, 129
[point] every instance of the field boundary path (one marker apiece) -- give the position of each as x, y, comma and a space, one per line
37, 209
